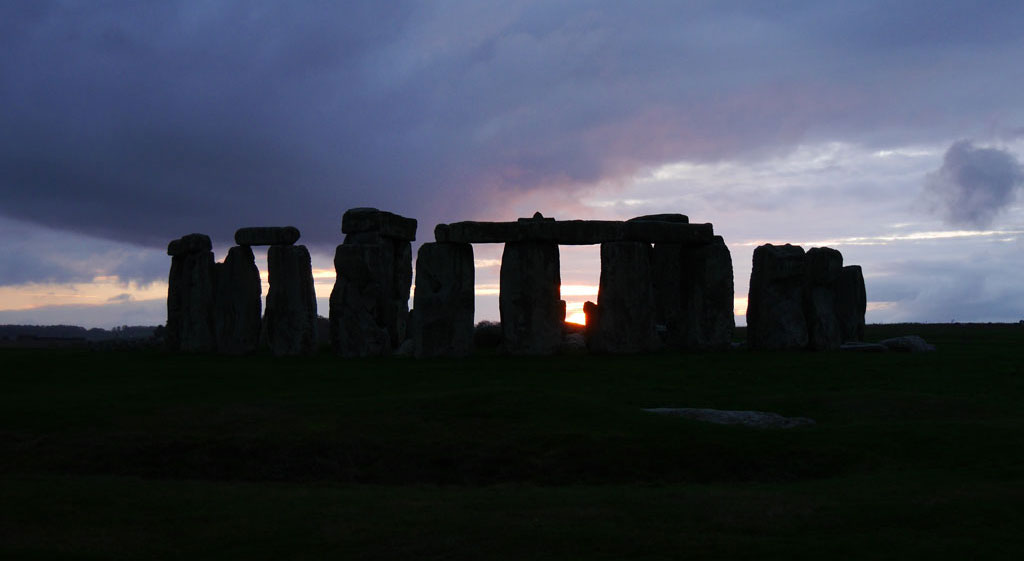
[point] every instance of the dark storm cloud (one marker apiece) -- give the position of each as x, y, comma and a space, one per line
143, 121
974, 184
37, 254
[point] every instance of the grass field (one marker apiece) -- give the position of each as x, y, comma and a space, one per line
141, 454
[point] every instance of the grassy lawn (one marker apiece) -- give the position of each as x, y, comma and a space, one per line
148, 455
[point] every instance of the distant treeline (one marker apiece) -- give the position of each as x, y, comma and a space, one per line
14, 332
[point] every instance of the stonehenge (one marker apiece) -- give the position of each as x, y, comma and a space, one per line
688, 269
665, 284
803, 300
216, 306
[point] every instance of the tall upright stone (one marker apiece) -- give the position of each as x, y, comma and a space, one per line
190, 294
359, 299
374, 294
775, 311
851, 303
824, 266
693, 294
707, 296
625, 301
238, 302
532, 311
291, 301
443, 300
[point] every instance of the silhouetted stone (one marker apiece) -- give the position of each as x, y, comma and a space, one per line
775, 314
443, 300
532, 312
291, 301
677, 218
267, 235
573, 232
707, 296
190, 295
851, 303
625, 301
192, 243
389, 225
863, 347
693, 293
573, 343
175, 282
536, 216
377, 294
358, 300
824, 266
756, 419
238, 302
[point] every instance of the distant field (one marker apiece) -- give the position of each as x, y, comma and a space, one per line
147, 455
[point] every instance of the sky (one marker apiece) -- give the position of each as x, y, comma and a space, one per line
891, 131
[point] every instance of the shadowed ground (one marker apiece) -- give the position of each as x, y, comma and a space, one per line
137, 454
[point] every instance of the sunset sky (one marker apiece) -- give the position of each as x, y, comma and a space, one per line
892, 131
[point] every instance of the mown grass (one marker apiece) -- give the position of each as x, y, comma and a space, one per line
149, 455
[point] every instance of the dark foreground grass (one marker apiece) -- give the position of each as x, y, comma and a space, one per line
147, 455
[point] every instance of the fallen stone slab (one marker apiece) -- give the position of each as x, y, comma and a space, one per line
267, 235
755, 419
574, 232
192, 243
863, 347
907, 344
387, 224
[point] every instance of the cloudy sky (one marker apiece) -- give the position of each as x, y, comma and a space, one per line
892, 131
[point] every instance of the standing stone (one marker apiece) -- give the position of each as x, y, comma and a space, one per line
175, 284
707, 296
775, 313
851, 303
238, 302
824, 266
443, 300
190, 294
532, 311
356, 302
374, 276
693, 295
625, 300
397, 319
291, 302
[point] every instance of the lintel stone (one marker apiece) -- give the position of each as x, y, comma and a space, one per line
267, 235
388, 224
574, 232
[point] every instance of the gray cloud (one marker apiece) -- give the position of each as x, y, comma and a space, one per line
974, 184
141, 122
